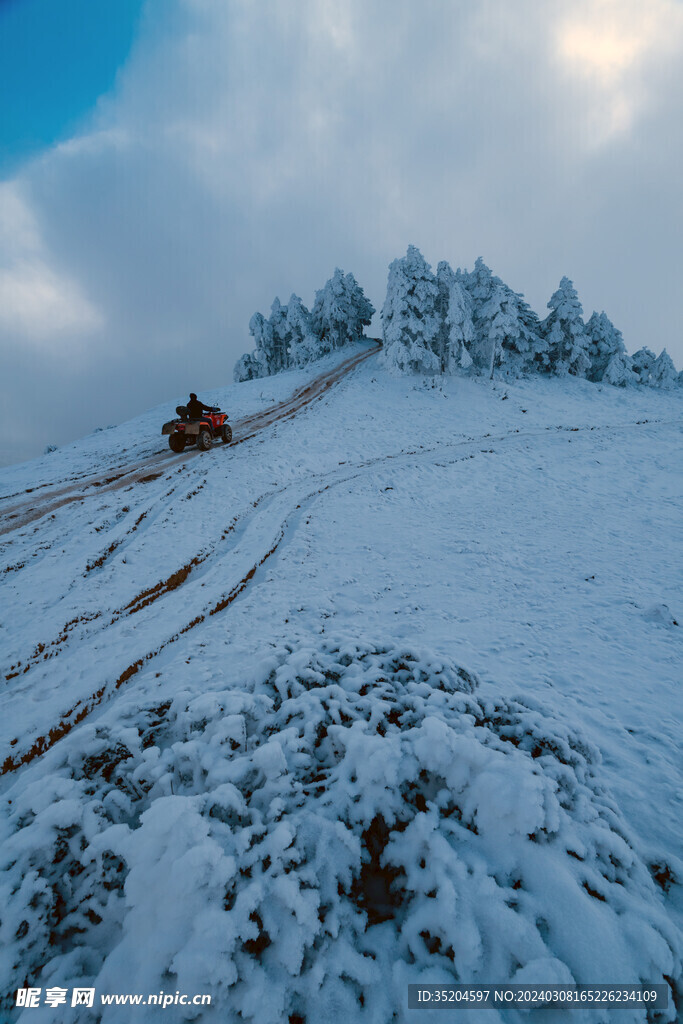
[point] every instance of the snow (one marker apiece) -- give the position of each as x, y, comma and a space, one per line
409, 707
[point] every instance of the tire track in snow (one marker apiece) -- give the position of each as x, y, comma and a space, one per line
325, 481
147, 597
46, 650
27, 511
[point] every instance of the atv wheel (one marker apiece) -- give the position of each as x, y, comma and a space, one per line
226, 433
176, 442
204, 440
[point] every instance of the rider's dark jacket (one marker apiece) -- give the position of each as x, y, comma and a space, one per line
195, 408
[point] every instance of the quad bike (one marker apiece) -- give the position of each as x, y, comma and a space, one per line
211, 426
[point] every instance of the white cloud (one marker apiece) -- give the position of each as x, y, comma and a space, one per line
40, 306
610, 46
37, 304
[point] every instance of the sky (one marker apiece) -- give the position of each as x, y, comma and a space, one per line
170, 166
55, 60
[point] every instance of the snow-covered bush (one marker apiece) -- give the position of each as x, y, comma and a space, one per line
304, 844
49, 448
410, 319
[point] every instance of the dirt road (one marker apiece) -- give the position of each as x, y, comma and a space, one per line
31, 506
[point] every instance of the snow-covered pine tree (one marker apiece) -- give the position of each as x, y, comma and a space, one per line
565, 332
619, 371
293, 337
410, 321
340, 311
256, 364
456, 330
247, 367
361, 310
329, 313
529, 344
303, 343
520, 345
514, 330
280, 337
480, 284
663, 373
500, 316
605, 342
642, 361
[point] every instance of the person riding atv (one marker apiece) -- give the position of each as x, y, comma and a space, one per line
198, 424
195, 408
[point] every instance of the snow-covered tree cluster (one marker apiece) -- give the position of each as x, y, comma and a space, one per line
303, 844
451, 320
292, 336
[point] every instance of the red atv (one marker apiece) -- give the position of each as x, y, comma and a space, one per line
212, 426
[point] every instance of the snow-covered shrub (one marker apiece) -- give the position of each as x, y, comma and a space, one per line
49, 448
307, 843
410, 319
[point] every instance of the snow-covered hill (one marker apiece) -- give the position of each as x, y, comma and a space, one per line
388, 692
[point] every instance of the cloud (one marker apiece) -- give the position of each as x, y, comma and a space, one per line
37, 304
610, 47
248, 149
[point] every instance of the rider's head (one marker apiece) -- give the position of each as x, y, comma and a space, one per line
193, 396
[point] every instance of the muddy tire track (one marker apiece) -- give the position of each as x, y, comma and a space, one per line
27, 511
176, 579
82, 708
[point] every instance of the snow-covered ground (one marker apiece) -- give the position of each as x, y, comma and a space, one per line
388, 693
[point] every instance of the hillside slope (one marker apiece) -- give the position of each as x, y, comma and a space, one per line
521, 542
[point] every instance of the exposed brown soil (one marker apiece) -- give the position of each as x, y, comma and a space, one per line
82, 709
27, 510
